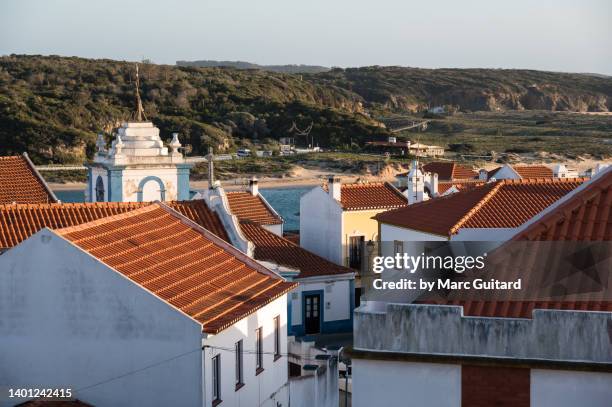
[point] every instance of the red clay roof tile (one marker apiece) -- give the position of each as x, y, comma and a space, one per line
182, 263
372, 195
584, 215
20, 182
18, 222
503, 204
273, 248
252, 208
533, 171
450, 171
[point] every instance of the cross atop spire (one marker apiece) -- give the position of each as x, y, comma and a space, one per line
139, 114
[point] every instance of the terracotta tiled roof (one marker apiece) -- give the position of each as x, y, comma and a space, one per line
21, 183
585, 216
182, 263
273, 248
503, 204
450, 171
18, 222
198, 211
464, 185
372, 195
533, 171
252, 208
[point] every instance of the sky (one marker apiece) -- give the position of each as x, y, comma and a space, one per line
555, 35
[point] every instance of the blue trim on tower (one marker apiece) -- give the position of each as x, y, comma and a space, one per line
115, 185
182, 186
90, 190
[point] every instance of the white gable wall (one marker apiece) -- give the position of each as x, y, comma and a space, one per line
321, 225
506, 172
276, 229
389, 233
69, 321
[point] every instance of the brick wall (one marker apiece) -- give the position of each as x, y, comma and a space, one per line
484, 386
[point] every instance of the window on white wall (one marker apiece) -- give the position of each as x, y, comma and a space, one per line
216, 380
277, 339
238, 350
258, 350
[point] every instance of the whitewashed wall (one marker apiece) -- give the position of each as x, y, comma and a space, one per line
321, 225
388, 383
69, 321
268, 387
319, 389
554, 388
276, 229
132, 178
506, 173
389, 233
336, 293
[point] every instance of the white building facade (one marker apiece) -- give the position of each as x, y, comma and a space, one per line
138, 168
72, 322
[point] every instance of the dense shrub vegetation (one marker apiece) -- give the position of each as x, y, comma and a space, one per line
52, 107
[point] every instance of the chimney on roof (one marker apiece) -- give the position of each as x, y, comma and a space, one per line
253, 188
334, 186
432, 180
483, 174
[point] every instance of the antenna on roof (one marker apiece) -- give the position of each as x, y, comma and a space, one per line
139, 114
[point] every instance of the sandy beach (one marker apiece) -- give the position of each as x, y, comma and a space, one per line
299, 177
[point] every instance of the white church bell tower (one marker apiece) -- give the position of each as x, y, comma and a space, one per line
138, 167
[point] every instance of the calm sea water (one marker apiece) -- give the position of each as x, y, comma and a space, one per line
286, 201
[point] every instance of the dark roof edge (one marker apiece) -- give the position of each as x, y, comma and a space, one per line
40, 177
481, 360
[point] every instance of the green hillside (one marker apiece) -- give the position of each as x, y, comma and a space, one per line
52, 107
